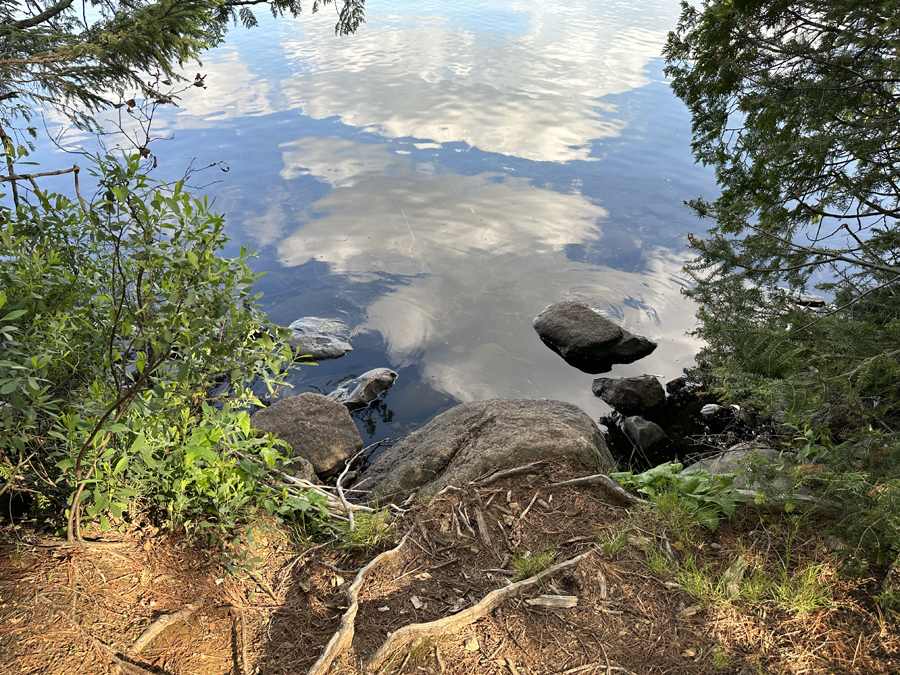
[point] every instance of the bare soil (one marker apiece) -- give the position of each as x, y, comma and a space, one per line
77, 610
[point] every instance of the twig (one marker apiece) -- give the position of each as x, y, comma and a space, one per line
608, 484
160, 625
528, 508
453, 623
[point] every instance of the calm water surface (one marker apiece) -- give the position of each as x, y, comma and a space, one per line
441, 176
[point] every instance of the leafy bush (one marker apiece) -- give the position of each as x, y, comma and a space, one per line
118, 319
701, 495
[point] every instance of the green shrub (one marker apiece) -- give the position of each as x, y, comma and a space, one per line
703, 497
118, 319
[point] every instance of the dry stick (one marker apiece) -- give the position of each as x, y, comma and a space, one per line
528, 508
455, 622
499, 475
607, 483
160, 625
344, 635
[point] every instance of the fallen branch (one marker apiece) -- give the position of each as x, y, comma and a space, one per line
340, 488
609, 486
344, 635
160, 625
334, 505
778, 504
453, 623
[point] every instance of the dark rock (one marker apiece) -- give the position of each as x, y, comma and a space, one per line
361, 391
320, 338
630, 395
586, 339
473, 438
317, 429
645, 435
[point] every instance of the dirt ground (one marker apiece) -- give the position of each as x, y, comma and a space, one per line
76, 610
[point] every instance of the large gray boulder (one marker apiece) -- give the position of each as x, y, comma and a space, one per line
588, 340
363, 390
473, 438
317, 429
320, 338
630, 395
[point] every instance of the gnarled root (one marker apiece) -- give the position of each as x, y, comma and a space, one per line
451, 624
344, 635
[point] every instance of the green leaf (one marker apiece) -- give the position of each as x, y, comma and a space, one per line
15, 314
9, 387
120, 465
195, 263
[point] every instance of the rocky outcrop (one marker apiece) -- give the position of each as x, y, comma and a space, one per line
630, 395
588, 340
473, 438
363, 390
320, 338
644, 434
317, 429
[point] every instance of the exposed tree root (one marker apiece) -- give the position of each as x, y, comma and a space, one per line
344, 635
452, 624
160, 625
494, 475
611, 487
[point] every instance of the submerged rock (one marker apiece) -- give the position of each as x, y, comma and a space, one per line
317, 429
473, 438
363, 390
320, 338
630, 395
588, 340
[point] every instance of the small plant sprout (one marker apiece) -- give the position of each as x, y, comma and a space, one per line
528, 563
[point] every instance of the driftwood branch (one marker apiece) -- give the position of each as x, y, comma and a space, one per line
611, 487
453, 623
344, 635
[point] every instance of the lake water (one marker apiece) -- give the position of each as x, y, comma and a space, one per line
441, 176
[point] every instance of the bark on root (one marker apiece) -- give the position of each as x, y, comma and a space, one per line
344, 635
452, 624
611, 487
